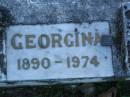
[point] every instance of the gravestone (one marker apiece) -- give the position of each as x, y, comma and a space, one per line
57, 41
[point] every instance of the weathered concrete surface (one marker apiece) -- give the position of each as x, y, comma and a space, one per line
58, 11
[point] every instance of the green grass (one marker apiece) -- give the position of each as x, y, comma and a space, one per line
123, 89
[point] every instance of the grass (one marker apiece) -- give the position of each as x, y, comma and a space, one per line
64, 90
